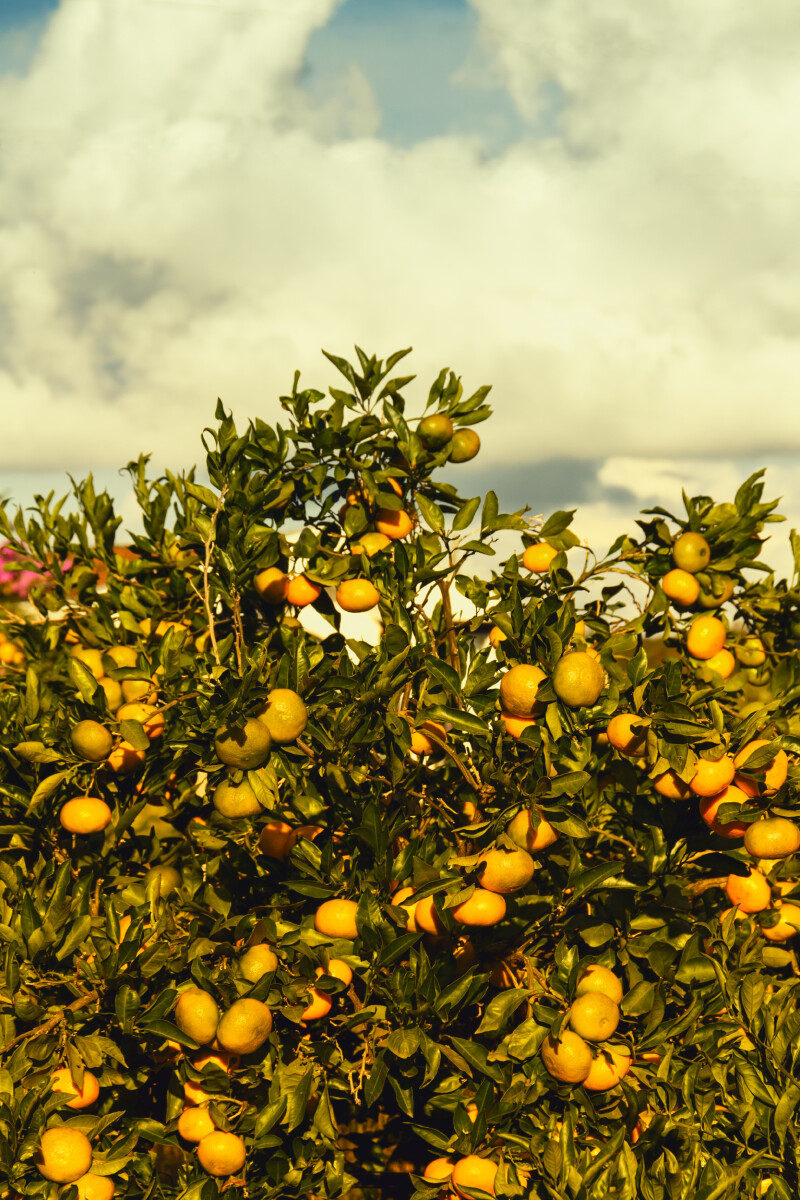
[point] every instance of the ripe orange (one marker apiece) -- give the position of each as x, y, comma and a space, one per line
276, 839
61, 1081
706, 636
397, 900
357, 595
271, 585
516, 726
195, 1123
594, 1016
337, 919
91, 740
751, 652
395, 523
772, 776
671, 786
426, 917
300, 591
91, 658
339, 969
578, 679
611, 1065
435, 430
537, 558
258, 961
474, 1172
482, 908
569, 1059
125, 758
95, 1187
64, 1154
319, 1005
466, 445
197, 1015
751, 892
439, 1170
627, 734
691, 552
496, 636
85, 814
712, 777
521, 831
596, 978
122, 656
788, 924
284, 714
709, 807
773, 837
722, 663
221, 1153
151, 720
680, 587
421, 743
505, 871
518, 689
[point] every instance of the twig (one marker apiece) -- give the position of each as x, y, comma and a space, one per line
238, 629
206, 565
46, 1026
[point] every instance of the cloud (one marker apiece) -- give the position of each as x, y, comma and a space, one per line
182, 220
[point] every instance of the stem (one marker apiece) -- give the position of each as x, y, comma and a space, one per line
206, 565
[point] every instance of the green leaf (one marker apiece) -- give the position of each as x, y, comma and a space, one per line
464, 516
82, 678
133, 732
443, 673
432, 515
403, 1042
459, 718
587, 881
500, 1008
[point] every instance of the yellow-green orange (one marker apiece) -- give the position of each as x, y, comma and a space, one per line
505, 871
244, 745
235, 800
197, 1015
245, 1026
578, 679
568, 1059
91, 740
597, 978
774, 837
691, 552
594, 1016
518, 689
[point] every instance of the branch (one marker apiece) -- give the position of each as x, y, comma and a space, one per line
206, 565
46, 1026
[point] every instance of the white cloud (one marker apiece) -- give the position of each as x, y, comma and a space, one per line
180, 221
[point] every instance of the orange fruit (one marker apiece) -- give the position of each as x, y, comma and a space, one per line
64, 1154
337, 919
61, 1081
788, 924
357, 595
339, 969
114, 697
610, 1065
276, 839
474, 1172
243, 745
215, 1058
370, 544
771, 776
300, 591
395, 523
709, 807
772, 837
516, 726
122, 656
284, 714
319, 1005
680, 587
245, 1026
271, 585
712, 777
750, 892
148, 716
197, 1015
596, 978
594, 1016
691, 552
482, 908
195, 1123
95, 1187
569, 1059
85, 814
521, 831
91, 740
671, 786
537, 558
439, 1170
91, 658
627, 734
706, 637
505, 871
496, 636
466, 445
221, 1153
258, 961
751, 652
518, 689
125, 758
425, 916
722, 663
435, 430
578, 679
397, 901
421, 743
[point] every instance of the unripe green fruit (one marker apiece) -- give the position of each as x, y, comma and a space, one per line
436, 430
91, 740
245, 745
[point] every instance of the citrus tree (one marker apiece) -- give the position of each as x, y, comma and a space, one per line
433, 913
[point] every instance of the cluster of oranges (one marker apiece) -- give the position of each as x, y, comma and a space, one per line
11, 653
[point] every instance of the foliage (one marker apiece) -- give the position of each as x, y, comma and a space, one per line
433, 1049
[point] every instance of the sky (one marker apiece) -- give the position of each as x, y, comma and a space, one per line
592, 208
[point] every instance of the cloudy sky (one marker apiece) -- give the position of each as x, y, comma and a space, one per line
592, 207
